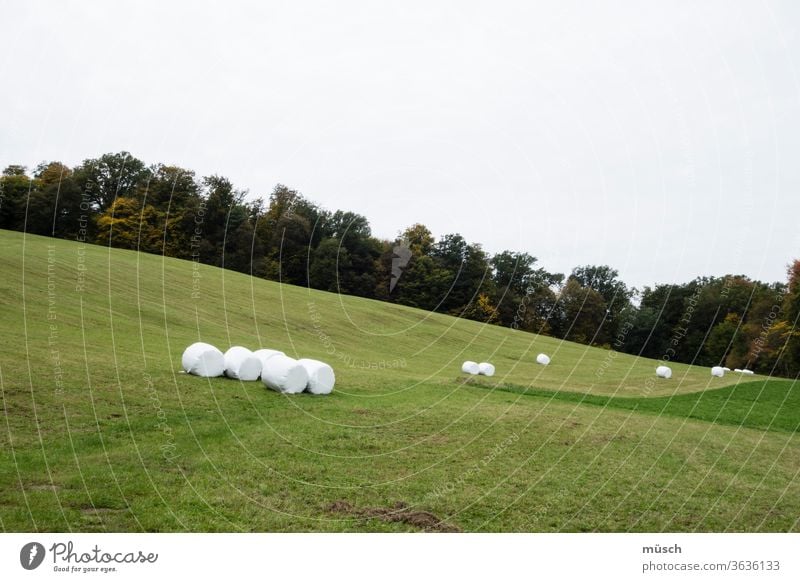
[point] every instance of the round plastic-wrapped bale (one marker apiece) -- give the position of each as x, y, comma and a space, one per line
202, 359
284, 374
750, 372
726, 369
486, 369
265, 354
543, 359
320, 376
242, 364
664, 372
718, 371
470, 367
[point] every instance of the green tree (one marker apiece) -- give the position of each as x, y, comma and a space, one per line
15, 186
110, 176
424, 284
791, 309
721, 342
290, 229
213, 219
168, 188
513, 271
616, 295
468, 269
581, 314
329, 260
54, 204
524, 295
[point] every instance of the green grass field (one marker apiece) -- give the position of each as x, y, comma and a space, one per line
102, 432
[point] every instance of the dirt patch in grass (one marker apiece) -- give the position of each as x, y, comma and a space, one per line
43, 487
472, 381
399, 513
99, 510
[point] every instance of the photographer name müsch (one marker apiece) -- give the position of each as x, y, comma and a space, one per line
659, 549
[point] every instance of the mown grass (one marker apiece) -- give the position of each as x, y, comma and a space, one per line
100, 430
762, 404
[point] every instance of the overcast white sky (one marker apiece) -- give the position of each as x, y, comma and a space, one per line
661, 138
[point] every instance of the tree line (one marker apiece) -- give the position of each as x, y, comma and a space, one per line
118, 200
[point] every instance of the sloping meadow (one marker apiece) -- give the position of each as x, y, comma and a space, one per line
102, 431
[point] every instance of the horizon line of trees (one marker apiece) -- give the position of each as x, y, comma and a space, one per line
118, 200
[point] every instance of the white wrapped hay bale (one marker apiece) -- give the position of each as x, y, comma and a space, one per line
486, 369
738, 371
320, 376
241, 364
718, 371
470, 367
726, 369
265, 354
664, 372
202, 359
284, 374
749, 372
543, 359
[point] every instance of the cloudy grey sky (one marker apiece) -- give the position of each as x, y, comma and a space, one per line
661, 138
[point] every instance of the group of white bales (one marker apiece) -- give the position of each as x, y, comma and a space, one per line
716, 371
283, 374
487, 369
277, 371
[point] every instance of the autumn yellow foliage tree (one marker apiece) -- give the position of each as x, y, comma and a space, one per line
128, 225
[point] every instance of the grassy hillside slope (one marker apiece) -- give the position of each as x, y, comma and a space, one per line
101, 430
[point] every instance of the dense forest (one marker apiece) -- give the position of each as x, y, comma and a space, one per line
120, 201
